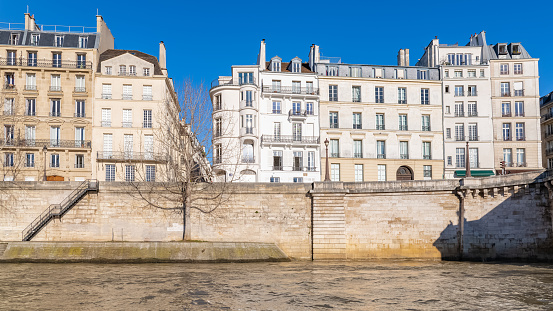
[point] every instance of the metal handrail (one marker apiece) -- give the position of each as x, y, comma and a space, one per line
291, 139
53, 143
44, 63
58, 210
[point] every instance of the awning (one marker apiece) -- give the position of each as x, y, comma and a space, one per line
475, 173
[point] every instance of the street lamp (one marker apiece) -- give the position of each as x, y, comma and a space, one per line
327, 169
44, 149
467, 161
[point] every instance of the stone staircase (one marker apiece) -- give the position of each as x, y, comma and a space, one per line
329, 227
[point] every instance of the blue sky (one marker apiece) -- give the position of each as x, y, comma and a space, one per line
204, 38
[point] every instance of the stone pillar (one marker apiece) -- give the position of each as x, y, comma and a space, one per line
328, 221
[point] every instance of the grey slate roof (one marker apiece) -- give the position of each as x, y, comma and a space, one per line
494, 51
46, 39
109, 54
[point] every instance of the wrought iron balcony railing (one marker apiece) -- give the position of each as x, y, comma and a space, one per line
106, 96
147, 97
48, 143
426, 128
131, 156
43, 63
80, 89
30, 87
299, 113
290, 139
80, 115
248, 159
126, 124
54, 113
55, 88
233, 82
291, 90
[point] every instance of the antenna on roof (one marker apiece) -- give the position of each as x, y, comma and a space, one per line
97, 11
27, 9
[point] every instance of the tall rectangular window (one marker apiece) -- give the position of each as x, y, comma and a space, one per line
309, 109
108, 146
459, 90
276, 130
150, 173
30, 82
521, 157
518, 88
508, 156
276, 107
357, 148
520, 131
401, 95
473, 131
358, 168
333, 119
55, 107
80, 85
425, 123
147, 119
83, 42
106, 117
472, 109
334, 148
426, 150
79, 161
459, 132
335, 172
277, 160
128, 145
311, 161
357, 120
298, 161
517, 69
149, 147
55, 138
81, 61
8, 160
473, 158
58, 41
296, 87
519, 109
79, 137
380, 121
356, 94
127, 91
296, 131
403, 122
147, 92
381, 168
247, 78
506, 131
296, 108
427, 171
110, 172
31, 61
459, 109
425, 97
506, 109
30, 160
8, 134
9, 106
381, 149
30, 135
333, 93
379, 94
505, 89
504, 69
460, 157
80, 108
355, 72
129, 173
56, 60
30, 107
55, 160
404, 150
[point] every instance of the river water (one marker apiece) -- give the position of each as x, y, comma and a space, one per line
378, 285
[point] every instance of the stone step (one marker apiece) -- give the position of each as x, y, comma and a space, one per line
3, 247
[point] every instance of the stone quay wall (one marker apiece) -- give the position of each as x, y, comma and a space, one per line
501, 217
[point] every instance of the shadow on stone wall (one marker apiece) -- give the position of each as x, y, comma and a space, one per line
519, 228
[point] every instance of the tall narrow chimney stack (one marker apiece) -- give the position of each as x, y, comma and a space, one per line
162, 57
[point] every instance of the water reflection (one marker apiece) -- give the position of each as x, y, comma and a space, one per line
414, 285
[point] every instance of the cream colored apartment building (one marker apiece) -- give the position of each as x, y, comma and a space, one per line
47, 96
134, 100
381, 122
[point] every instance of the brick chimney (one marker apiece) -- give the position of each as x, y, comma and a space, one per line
30, 23
261, 57
162, 57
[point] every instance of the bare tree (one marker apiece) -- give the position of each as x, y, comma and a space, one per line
184, 138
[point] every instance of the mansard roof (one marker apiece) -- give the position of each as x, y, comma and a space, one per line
109, 54
46, 39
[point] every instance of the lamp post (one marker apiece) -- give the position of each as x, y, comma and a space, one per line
44, 149
467, 161
327, 169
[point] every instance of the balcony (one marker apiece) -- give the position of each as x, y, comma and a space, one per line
30, 87
402, 101
30, 113
131, 156
519, 92
358, 155
79, 165
546, 117
403, 127
126, 124
147, 125
291, 90
520, 164
380, 127
277, 168
474, 138
507, 138
80, 89
427, 157
460, 138
290, 139
521, 138
55, 88
505, 94
125, 73
247, 104
248, 159
473, 113
54, 113
299, 114
277, 111
459, 113
48, 143
80, 115
106, 96
127, 96
381, 156
106, 123
232, 82
9, 86
334, 154
66, 64
426, 128
404, 156
147, 97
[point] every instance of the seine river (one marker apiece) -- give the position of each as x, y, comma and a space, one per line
380, 285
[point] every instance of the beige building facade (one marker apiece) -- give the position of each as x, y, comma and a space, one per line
47, 97
546, 107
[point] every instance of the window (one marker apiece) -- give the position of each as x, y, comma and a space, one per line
331, 71
9, 134
333, 93
147, 92
122, 70
218, 156
448, 133
380, 121
34, 39
80, 84
9, 81
79, 137
355, 72
333, 119
427, 171
357, 148
508, 156
519, 129
335, 172
296, 108
276, 130
83, 42
426, 150
55, 160
519, 91
422, 74
296, 87
504, 69
505, 89
55, 108
521, 157
108, 70
81, 60
482, 75
127, 91
381, 149
30, 135
446, 88
356, 94
108, 146
8, 159
147, 119
378, 72
506, 131
30, 82
106, 117
446, 73
249, 124
458, 73
14, 39
357, 120
381, 168
296, 67
275, 65
56, 60
506, 109
55, 136
472, 90
460, 157
29, 160
401, 95
31, 60
55, 83
471, 73
149, 147
426, 123
403, 122
274, 179
150, 173
472, 109
473, 131
519, 109
309, 108
9, 106
459, 132
425, 98
277, 160
132, 70
379, 94
106, 91
30, 107
334, 148
298, 161
296, 131
459, 90
129, 173
449, 160
110, 172
58, 41
276, 108
517, 69
309, 87
247, 78
473, 158
128, 146
298, 179
79, 161
459, 109
218, 127
80, 108
358, 168
404, 150
146, 73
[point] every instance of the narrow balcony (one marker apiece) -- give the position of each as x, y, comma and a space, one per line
131, 156
30, 87
248, 159
80, 115
147, 97
55, 88
48, 143
54, 113
299, 114
290, 139
106, 96
381, 156
80, 89
291, 90
233, 82
43, 63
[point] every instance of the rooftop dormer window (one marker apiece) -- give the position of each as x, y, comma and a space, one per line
58, 41
34, 39
516, 49
296, 65
502, 49
83, 42
14, 39
331, 71
275, 63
